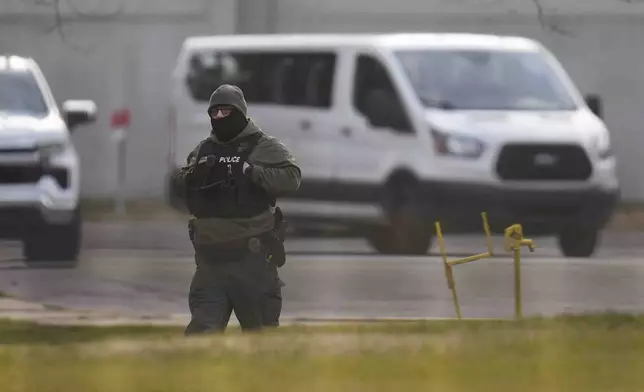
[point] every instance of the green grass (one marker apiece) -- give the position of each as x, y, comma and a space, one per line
27, 333
593, 353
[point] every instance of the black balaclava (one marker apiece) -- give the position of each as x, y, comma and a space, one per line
227, 128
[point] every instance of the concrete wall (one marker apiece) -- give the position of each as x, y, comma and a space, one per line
125, 59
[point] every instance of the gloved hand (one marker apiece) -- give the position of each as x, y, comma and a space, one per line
201, 168
197, 171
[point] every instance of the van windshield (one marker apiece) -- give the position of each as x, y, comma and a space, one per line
485, 80
20, 94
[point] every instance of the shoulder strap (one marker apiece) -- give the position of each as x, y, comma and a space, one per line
250, 142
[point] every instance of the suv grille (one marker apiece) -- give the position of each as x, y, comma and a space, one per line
543, 162
19, 174
17, 150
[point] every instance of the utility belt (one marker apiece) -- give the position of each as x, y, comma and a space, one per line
271, 243
230, 251
253, 244
236, 249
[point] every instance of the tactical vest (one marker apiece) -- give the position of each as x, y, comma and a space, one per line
223, 190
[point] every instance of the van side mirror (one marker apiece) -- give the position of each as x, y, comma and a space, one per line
78, 112
594, 103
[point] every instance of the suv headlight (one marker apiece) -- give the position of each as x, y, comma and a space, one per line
602, 147
50, 150
457, 145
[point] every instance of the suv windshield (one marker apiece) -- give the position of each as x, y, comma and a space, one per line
485, 80
20, 94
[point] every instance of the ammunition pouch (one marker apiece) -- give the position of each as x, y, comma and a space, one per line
191, 231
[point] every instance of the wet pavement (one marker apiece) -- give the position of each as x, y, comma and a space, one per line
145, 269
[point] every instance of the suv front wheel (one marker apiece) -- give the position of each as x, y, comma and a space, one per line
54, 243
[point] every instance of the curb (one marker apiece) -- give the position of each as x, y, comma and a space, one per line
18, 310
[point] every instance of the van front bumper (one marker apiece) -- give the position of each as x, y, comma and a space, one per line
459, 206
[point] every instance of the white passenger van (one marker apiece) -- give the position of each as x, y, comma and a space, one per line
395, 131
39, 166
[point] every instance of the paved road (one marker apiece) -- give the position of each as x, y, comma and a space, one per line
147, 269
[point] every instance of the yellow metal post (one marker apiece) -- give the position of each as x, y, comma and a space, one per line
448, 270
452, 284
487, 231
513, 242
468, 259
518, 311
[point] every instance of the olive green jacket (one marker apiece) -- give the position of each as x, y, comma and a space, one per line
273, 168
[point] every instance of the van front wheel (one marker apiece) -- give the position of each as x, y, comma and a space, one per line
406, 232
579, 241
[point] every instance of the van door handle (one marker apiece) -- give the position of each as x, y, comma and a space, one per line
346, 131
305, 125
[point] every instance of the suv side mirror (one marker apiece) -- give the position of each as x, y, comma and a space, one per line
78, 112
594, 103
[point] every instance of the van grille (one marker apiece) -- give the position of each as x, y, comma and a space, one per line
543, 162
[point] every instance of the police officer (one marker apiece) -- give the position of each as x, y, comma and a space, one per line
229, 185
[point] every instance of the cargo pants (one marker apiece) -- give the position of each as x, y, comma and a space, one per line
239, 280
272, 302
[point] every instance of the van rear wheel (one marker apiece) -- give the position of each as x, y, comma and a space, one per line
407, 231
391, 240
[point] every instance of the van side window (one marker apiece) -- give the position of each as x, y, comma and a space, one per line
286, 78
376, 98
209, 70
319, 82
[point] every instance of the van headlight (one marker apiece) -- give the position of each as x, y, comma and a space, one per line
457, 145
